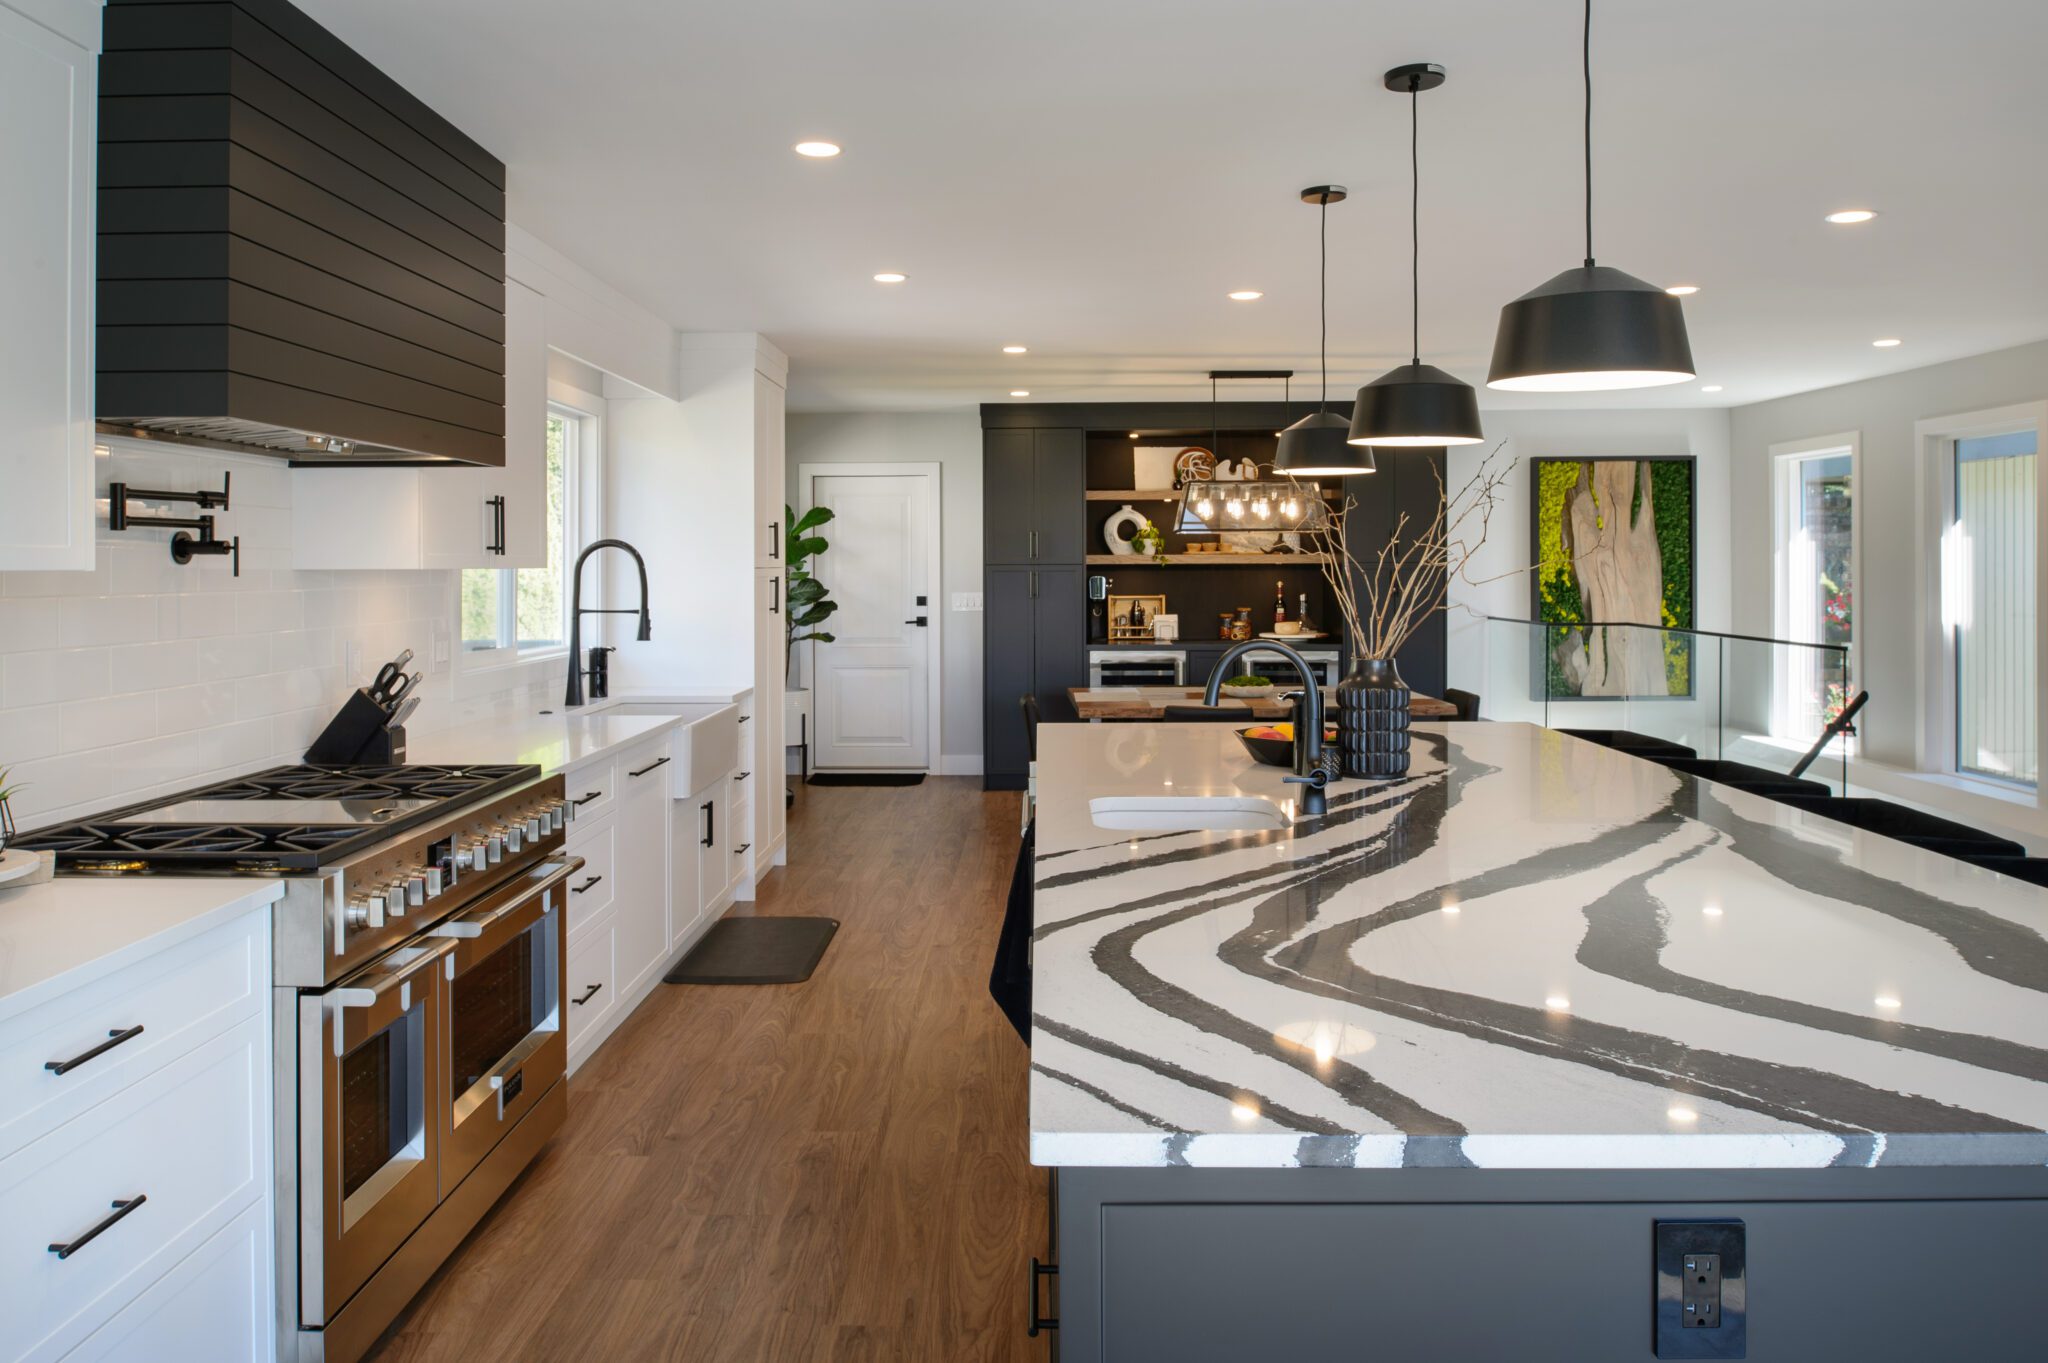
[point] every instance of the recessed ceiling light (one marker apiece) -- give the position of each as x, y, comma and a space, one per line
1710, 388
1020, 392
1557, 1003
817, 150
1134, 435
890, 277
1711, 910
1245, 295
1681, 1114
1886, 1001
1887, 342
1013, 350
1851, 215
1683, 290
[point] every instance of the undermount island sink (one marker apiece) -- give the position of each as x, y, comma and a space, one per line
1187, 813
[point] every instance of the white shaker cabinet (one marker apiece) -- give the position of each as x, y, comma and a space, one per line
642, 861
47, 102
767, 758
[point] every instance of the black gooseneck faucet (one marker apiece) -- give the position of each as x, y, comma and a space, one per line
577, 612
1309, 767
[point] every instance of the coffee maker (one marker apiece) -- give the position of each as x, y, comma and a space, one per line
1098, 609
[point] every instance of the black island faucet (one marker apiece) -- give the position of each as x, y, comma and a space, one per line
1309, 767
577, 611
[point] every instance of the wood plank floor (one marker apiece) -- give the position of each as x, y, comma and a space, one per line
829, 1171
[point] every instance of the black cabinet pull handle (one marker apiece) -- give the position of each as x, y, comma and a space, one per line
744, 718
710, 824
743, 776
741, 850
497, 506
586, 885
775, 604
114, 1038
588, 796
588, 995
121, 1209
775, 539
657, 762
1040, 1272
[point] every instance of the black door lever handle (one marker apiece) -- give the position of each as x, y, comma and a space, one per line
922, 622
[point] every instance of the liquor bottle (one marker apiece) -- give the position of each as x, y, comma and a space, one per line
1279, 604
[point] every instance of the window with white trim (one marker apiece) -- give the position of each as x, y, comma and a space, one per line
511, 615
1988, 593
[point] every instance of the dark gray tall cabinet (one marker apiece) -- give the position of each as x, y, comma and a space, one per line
1034, 584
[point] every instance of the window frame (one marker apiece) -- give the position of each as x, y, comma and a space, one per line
1785, 459
1934, 441
482, 670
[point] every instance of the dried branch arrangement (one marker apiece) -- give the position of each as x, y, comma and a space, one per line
1386, 600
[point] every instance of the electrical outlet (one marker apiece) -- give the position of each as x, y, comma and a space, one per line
1702, 1290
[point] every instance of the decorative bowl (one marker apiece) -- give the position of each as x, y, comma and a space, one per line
1248, 692
1273, 744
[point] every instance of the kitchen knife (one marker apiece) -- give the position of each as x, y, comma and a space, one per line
402, 690
404, 713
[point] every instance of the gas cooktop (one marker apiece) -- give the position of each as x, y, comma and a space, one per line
284, 820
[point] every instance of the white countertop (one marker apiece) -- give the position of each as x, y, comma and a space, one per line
560, 741
1531, 952
59, 935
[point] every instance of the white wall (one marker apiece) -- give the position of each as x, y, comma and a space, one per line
952, 440
1508, 553
1883, 411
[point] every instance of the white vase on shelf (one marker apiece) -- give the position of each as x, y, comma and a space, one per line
1125, 515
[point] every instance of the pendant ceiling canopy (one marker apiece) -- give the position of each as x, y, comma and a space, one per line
1592, 328
1319, 445
1415, 404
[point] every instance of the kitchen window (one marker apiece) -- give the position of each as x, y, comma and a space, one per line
1984, 693
1814, 570
515, 615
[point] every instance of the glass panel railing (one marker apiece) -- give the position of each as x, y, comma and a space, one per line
1727, 697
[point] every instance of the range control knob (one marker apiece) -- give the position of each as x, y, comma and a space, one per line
434, 883
535, 829
494, 848
515, 838
394, 899
567, 809
471, 856
365, 913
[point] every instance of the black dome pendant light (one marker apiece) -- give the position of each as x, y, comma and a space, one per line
1415, 404
1593, 328
1317, 445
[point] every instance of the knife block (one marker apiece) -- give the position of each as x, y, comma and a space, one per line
357, 728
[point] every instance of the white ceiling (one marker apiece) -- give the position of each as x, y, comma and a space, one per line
1090, 177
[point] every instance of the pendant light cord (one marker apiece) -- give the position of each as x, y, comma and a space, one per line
1415, 218
1586, 63
1323, 289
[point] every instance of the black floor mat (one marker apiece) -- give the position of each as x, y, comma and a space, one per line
756, 951
868, 778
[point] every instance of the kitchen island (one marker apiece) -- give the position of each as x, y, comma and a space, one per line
1424, 1077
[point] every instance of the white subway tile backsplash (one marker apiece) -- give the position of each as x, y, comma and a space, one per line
27, 623
88, 724
142, 677
45, 677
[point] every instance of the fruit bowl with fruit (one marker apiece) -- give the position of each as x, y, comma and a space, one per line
1273, 744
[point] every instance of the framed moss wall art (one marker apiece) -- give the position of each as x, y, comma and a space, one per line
1613, 541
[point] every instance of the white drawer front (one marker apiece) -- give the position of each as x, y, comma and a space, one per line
590, 889
177, 998
590, 790
214, 1305
190, 1139
593, 991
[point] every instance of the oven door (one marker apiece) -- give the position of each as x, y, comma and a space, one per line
504, 1046
369, 1134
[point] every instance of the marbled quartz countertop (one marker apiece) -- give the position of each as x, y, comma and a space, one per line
1531, 952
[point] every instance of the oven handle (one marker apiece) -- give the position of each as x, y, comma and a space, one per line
376, 996
541, 881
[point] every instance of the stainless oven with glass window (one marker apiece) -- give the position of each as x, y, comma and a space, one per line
503, 1046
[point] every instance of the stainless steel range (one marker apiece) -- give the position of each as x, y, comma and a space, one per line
417, 1008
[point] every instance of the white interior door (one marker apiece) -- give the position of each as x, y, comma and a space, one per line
873, 683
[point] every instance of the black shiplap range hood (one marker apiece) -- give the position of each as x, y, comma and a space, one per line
296, 257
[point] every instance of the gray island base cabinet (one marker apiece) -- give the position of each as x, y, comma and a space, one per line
1541, 1266
1469, 1067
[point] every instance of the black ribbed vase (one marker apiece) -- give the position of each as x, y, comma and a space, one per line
1372, 720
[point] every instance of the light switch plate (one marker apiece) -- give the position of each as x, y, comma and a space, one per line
966, 601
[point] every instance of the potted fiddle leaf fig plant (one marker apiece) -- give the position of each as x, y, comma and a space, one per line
809, 601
